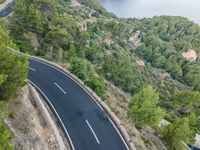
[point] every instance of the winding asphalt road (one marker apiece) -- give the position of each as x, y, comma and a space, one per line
85, 123
7, 10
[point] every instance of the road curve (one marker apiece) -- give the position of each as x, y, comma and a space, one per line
84, 122
7, 10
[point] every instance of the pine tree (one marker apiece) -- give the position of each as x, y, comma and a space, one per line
177, 133
143, 107
13, 68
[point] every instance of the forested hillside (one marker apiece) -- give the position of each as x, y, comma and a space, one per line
165, 40
13, 74
145, 58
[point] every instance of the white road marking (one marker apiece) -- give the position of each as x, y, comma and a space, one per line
60, 88
85, 91
18, 52
92, 131
118, 132
55, 113
50, 65
4, 12
31, 68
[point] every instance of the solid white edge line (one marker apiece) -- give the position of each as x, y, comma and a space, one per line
4, 12
59, 87
83, 89
86, 92
7, 6
11, 49
55, 113
31, 68
70, 78
93, 132
118, 132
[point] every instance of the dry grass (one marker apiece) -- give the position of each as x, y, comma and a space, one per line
31, 127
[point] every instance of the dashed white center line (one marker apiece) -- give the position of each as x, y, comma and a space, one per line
4, 13
60, 88
31, 68
92, 131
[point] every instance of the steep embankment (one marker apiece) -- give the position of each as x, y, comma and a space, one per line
130, 53
13, 72
31, 123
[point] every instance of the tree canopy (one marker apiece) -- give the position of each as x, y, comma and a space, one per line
177, 133
13, 74
143, 107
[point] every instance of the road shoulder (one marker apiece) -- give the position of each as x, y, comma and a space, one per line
5, 4
32, 123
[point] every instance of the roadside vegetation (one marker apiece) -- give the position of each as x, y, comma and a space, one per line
13, 73
144, 109
1, 1
100, 47
165, 40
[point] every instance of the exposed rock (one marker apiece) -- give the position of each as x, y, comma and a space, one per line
190, 55
108, 42
140, 62
75, 3
163, 122
52, 138
153, 140
134, 37
197, 138
30, 125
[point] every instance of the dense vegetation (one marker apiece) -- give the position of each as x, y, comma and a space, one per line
99, 47
139, 103
86, 73
163, 43
176, 133
13, 73
1, 1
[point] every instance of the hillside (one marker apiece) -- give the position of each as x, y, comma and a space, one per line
158, 56
172, 43
31, 124
13, 74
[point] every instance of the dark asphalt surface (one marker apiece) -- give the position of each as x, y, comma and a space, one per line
74, 108
193, 147
80, 115
7, 10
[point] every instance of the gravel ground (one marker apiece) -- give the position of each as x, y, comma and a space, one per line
33, 129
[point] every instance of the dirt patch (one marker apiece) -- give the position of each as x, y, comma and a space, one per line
30, 125
134, 39
140, 62
75, 3
190, 55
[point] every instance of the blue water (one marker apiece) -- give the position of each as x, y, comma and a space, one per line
149, 8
